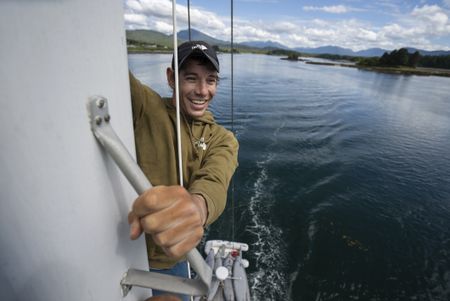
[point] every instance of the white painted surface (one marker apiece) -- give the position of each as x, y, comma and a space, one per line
64, 204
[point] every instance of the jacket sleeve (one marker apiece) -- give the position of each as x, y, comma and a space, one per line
213, 178
141, 96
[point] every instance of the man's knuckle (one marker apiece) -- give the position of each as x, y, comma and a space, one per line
148, 224
175, 251
151, 199
196, 219
160, 239
190, 209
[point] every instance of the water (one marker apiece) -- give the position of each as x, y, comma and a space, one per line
343, 188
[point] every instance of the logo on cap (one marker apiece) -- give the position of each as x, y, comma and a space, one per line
199, 46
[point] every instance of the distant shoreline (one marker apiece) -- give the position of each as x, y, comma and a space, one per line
391, 70
421, 71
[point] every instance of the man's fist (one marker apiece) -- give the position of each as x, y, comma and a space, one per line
172, 216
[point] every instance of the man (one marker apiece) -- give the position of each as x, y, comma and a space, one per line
173, 217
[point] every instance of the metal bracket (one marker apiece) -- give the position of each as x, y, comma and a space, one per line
100, 125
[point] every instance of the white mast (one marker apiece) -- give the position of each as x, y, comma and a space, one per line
63, 202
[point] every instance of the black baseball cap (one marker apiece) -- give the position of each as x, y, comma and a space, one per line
186, 49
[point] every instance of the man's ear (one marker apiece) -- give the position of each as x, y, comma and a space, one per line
170, 77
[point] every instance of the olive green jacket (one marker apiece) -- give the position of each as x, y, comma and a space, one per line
207, 167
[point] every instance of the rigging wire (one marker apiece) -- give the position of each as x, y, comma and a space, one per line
233, 206
177, 90
189, 18
232, 118
177, 98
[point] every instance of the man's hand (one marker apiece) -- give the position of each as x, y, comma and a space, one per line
172, 216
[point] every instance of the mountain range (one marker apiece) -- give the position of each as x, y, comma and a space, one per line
155, 37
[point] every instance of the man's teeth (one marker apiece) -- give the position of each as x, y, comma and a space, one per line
198, 101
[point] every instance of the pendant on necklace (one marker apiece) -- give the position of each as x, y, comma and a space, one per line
201, 143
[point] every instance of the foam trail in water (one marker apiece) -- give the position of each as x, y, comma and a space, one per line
269, 282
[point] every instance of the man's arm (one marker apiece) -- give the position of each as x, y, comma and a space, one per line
170, 214
141, 96
175, 217
213, 178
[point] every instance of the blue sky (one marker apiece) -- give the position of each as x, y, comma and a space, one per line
354, 24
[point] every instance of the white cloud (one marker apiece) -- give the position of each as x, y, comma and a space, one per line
249, 32
368, 35
319, 34
158, 8
416, 28
136, 20
335, 9
347, 33
158, 15
134, 5
163, 27
301, 40
433, 18
284, 27
207, 19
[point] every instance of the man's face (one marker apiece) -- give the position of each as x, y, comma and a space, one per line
198, 84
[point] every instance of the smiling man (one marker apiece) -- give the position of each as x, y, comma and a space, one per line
173, 217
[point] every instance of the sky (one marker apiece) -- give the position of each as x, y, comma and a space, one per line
353, 24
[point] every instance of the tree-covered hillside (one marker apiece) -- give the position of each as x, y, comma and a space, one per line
403, 58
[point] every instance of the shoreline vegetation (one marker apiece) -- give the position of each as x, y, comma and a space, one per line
395, 62
423, 71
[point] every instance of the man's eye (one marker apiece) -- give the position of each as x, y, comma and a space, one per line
211, 81
191, 78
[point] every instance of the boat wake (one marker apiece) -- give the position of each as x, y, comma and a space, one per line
269, 281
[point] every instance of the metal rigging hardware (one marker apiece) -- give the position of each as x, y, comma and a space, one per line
105, 134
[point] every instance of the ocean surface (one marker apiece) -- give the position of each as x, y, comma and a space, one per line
343, 188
